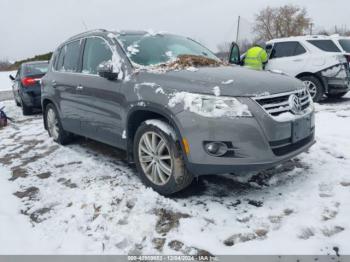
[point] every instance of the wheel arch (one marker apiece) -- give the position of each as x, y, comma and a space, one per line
139, 114
44, 104
318, 76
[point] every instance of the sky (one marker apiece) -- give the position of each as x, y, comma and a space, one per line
34, 27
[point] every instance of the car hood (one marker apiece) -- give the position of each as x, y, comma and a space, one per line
232, 81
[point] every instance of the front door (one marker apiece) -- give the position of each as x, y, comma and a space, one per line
102, 120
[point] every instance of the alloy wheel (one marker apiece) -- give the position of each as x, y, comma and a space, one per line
311, 87
52, 123
155, 158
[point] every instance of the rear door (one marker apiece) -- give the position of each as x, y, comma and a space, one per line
289, 57
65, 83
103, 117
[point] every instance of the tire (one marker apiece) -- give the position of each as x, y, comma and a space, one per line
170, 174
54, 126
314, 86
26, 110
339, 95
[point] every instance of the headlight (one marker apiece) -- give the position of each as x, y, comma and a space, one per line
211, 106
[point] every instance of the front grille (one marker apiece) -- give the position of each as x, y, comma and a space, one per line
279, 103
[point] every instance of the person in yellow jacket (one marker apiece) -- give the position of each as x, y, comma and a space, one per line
255, 58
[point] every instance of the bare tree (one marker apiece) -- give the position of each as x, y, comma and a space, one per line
224, 47
285, 21
4, 65
340, 30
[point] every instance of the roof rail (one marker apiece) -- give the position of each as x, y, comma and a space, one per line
87, 32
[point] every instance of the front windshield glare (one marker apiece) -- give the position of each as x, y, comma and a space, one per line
148, 50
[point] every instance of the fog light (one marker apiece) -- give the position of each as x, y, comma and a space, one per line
216, 148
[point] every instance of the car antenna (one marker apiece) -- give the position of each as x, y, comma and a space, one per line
84, 24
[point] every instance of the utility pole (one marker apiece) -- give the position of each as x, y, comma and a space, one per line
311, 25
238, 24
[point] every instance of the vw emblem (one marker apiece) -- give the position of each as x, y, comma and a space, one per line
295, 104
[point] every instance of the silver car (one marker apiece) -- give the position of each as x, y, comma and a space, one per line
177, 110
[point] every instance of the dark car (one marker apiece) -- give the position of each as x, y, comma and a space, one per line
140, 92
27, 87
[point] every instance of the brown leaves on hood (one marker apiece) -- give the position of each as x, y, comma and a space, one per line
186, 61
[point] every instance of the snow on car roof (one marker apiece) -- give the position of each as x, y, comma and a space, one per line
299, 38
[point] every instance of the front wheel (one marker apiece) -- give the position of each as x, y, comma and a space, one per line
159, 159
54, 126
314, 87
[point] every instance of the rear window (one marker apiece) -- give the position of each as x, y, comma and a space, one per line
345, 44
71, 57
60, 59
325, 45
35, 69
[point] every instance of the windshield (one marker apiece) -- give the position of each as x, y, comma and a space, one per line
149, 50
35, 69
345, 44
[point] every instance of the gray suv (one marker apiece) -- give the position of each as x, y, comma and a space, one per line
177, 110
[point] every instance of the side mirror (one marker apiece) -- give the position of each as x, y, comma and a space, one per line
235, 54
106, 70
11, 77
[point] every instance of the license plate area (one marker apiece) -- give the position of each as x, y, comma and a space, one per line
301, 128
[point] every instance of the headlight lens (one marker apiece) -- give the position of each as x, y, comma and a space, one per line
211, 106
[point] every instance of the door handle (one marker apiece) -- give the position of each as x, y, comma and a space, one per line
79, 88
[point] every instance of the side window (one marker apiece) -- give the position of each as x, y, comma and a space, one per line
71, 57
53, 60
325, 45
96, 51
287, 49
299, 49
59, 63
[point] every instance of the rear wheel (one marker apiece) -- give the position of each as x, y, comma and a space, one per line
54, 126
339, 95
314, 87
159, 160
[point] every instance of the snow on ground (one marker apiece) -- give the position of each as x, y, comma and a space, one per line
84, 199
5, 82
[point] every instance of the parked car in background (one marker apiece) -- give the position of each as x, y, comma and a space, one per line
26, 85
343, 44
316, 60
139, 91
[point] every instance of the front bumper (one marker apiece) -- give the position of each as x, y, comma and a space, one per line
338, 85
336, 79
258, 143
